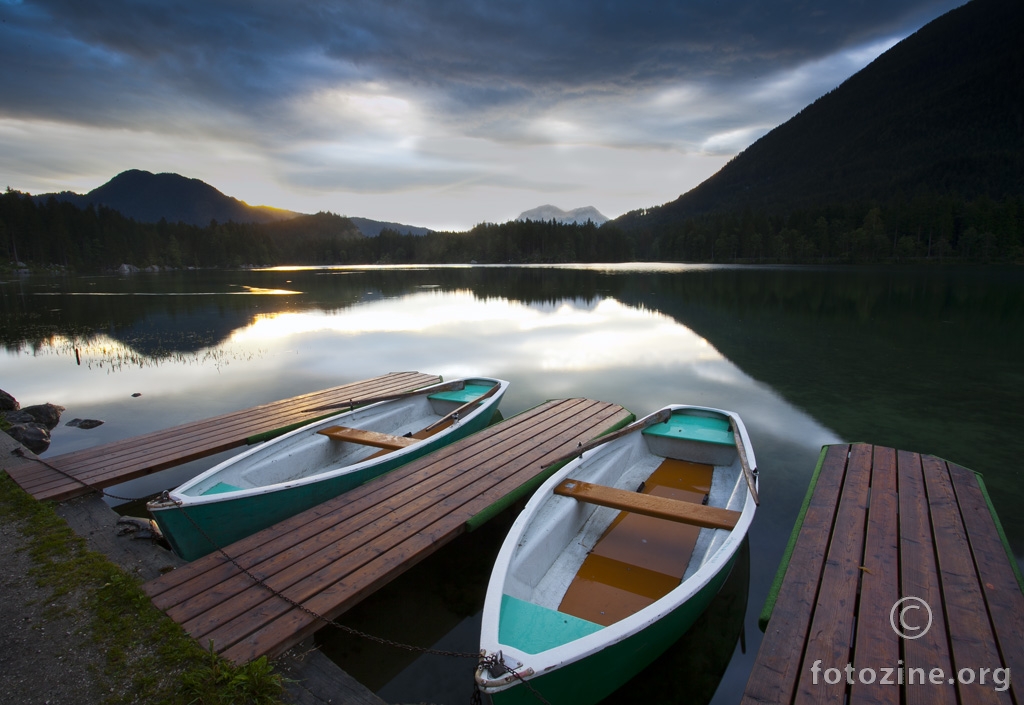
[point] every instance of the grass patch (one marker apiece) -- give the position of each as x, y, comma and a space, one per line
147, 657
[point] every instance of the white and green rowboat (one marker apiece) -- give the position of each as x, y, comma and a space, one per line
615, 557
314, 463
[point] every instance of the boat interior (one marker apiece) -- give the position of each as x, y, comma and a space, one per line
583, 566
365, 434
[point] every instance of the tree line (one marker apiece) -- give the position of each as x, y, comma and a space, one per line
924, 228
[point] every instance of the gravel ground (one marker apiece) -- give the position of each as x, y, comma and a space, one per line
46, 655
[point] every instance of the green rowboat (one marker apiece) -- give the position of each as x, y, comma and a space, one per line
615, 556
312, 464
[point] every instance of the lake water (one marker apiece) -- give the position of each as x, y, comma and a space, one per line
922, 359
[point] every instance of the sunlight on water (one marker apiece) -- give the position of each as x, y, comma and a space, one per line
796, 351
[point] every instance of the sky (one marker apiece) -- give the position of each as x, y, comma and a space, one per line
434, 113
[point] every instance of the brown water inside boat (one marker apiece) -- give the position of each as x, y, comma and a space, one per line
639, 559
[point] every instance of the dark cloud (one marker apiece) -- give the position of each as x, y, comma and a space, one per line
476, 107
124, 58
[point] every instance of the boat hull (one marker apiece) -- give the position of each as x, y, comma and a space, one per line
594, 678
196, 528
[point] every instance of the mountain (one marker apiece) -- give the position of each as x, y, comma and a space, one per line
147, 198
373, 228
941, 113
577, 215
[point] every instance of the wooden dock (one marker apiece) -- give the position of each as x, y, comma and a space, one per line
102, 466
881, 525
329, 558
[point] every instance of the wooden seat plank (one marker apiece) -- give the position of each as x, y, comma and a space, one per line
781, 656
370, 438
464, 486
649, 505
119, 461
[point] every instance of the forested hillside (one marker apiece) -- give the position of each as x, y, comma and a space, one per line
933, 229
920, 154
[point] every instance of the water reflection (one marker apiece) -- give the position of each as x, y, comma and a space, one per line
926, 360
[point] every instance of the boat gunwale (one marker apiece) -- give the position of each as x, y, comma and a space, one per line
177, 498
583, 647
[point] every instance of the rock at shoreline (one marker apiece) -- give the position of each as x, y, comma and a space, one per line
30, 426
34, 436
84, 423
47, 415
7, 402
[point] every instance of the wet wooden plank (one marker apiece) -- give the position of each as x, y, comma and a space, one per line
972, 643
919, 578
329, 558
117, 462
1002, 593
774, 676
874, 648
929, 536
832, 627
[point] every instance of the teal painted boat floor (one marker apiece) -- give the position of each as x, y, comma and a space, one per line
330, 557
114, 463
881, 526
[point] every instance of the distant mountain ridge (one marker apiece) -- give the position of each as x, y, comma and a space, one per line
373, 228
148, 198
941, 112
576, 215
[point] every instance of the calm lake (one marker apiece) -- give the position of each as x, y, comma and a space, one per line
922, 359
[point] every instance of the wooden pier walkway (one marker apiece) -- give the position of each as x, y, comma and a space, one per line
327, 559
120, 461
882, 525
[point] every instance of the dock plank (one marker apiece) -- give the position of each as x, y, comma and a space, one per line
303, 536
330, 557
970, 633
402, 536
831, 631
1005, 605
922, 529
920, 578
774, 677
872, 649
119, 461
